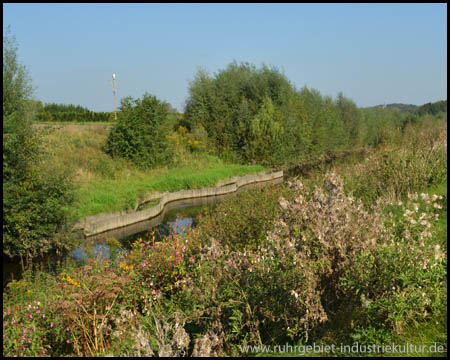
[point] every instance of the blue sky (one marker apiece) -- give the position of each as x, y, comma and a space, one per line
373, 53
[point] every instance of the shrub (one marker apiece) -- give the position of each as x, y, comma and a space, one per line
402, 281
141, 132
241, 222
286, 285
186, 146
35, 219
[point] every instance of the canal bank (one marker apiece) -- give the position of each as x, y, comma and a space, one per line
121, 224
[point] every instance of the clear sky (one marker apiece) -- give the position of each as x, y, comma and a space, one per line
373, 53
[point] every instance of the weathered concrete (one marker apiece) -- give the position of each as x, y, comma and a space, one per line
103, 222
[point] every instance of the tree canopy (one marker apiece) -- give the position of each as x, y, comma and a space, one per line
141, 132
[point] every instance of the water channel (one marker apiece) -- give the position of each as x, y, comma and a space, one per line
179, 215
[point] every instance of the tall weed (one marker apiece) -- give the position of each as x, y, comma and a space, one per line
418, 162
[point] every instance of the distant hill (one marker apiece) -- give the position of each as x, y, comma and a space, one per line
401, 107
433, 108
428, 108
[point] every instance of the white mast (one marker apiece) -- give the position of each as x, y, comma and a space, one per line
114, 92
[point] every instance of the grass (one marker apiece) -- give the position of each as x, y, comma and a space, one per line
107, 195
105, 184
148, 204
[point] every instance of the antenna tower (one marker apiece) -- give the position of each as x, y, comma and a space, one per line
114, 84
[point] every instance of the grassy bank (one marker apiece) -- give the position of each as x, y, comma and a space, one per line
106, 195
105, 184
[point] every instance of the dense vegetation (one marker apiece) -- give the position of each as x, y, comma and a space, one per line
306, 263
256, 115
68, 113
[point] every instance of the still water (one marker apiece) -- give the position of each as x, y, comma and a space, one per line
176, 220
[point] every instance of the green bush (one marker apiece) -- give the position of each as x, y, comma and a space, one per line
35, 210
257, 115
242, 222
141, 132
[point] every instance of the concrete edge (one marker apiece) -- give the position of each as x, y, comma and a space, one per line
99, 223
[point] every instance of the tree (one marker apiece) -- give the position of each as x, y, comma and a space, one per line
17, 86
18, 140
350, 116
227, 103
264, 133
36, 194
141, 132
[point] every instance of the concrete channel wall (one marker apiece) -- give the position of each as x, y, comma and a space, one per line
97, 224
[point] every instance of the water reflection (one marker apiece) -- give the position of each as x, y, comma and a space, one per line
180, 225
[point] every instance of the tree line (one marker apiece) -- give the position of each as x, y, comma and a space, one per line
69, 113
256, 115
